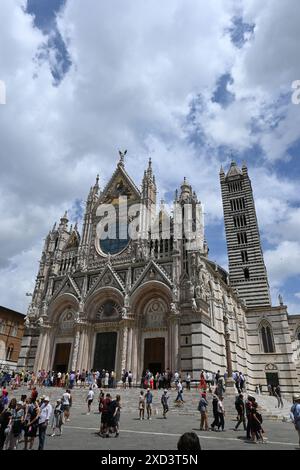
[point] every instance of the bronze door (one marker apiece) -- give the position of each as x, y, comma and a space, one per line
62, 356
154, 354
105, 351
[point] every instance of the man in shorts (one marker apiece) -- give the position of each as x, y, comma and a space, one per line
149, 399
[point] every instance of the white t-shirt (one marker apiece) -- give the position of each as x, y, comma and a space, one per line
66, 398
90, 395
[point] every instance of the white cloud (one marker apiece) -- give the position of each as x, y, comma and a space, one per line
135, 69
283, 262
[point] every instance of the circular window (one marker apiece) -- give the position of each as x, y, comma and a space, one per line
115, 244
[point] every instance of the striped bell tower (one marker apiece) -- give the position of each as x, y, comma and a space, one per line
247, 271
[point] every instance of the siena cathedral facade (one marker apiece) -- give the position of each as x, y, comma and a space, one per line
156, 303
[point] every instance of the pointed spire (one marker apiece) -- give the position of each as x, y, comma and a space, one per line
244, 168
64, 220
149, 169
54, 227
222, 170
76, 226
234, 170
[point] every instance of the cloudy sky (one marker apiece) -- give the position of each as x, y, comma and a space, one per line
189, 82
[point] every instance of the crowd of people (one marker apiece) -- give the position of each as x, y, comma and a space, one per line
31, 416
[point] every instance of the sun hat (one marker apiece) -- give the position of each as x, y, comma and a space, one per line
46, 399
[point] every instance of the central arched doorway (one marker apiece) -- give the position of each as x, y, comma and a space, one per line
154, 334
154, 354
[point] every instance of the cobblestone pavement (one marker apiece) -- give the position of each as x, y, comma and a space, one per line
157, 434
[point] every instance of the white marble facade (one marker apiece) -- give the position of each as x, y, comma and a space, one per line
149, 305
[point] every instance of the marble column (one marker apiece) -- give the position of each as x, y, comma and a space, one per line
124, 348
40, 350
134, 358
46, 354
83, 350
129, 350
174, 347
75, 350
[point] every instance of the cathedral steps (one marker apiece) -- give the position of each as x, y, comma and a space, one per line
130, 399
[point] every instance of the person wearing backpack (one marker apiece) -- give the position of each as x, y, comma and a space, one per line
240, 408
295, 414
202, 407
16, 422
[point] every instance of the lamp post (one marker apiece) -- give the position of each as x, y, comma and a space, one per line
229, 382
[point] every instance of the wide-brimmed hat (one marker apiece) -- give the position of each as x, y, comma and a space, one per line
296, 397
46, 399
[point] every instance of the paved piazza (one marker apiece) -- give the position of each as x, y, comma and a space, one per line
159, 433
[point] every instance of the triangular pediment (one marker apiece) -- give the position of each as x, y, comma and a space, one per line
120, 184
152, 272
68, 286
107, 278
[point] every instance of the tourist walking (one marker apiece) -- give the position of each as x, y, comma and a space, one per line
179, 398
45, 415
149, 399
15, 426
89, 399
116, 410
188, 381
66, 404
202, 407
106, 415
32, 414
215, 422
256, 425
221, 414
240, 408
277, 393
141, 406
220, 387
248, 408
130, 376
57, 420
164, 402
295, 415
124, 378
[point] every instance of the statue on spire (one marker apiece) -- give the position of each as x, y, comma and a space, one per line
122, 155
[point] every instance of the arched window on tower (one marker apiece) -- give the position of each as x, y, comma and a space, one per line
266, 336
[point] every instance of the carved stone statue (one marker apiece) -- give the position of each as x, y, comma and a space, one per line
198, 291
190, 289
126, 301
124, 312
173, 308
194, 305
175, 294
